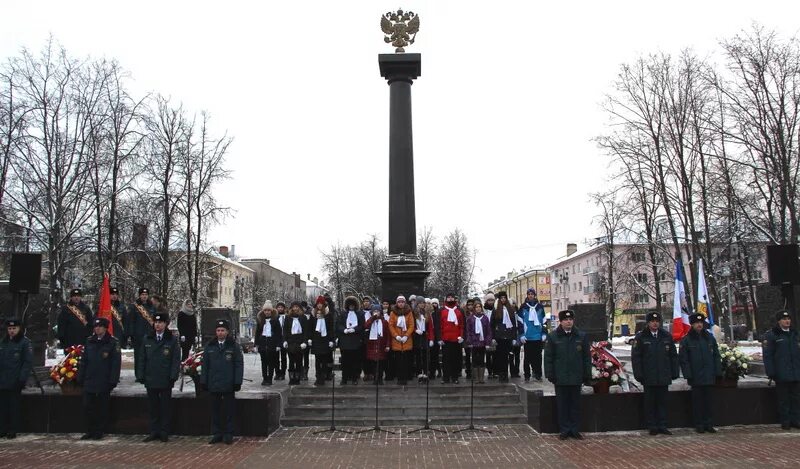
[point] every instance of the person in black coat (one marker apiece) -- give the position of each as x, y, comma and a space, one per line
159, 365
16, 362
98, 373
140, 322
222, 374
74, 321
295, 337
655, 365
322, 341
187, 328
701, 365
280, 374
307, 352
118, 313
781, 351
269, 341
349, 329
505, 330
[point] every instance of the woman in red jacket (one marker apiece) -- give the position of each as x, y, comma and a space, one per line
377, 341
452, 324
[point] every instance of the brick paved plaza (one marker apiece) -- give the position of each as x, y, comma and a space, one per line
512, 445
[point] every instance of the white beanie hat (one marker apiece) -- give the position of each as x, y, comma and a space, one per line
267, 304
488, 296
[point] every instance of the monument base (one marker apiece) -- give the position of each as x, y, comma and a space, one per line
402, 275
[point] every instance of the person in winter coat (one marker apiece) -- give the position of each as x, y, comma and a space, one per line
378, 345
781, 351
269, 342
655, 365
322, 341
532, 315
366, 365
479, 338
401, 328
568, 365
222, 373
506, 331
701, 365
295, 341
280, 374
187, 328
99, 375
306, 311
16, 363
118, 313
349, 327
74, 321
389, 367
159, 366
452, 323
140, 322
423, 325
488, 309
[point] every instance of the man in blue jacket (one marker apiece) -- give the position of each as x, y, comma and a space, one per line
532, 314
16, 361
781, 350
222, 373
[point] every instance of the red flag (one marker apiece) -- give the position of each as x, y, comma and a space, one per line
104, 309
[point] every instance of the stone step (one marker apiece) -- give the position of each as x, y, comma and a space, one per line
325, 421
365, 412
360, 399
413, 389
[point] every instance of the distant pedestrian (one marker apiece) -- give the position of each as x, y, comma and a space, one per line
222, 375
98, 374
781, 351
16, 362
701, 366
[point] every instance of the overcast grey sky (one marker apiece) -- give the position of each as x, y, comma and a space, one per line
504, 112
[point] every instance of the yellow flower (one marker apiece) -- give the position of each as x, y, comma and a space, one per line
63, 370
70, 375
73, 361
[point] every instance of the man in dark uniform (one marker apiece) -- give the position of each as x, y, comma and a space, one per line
118, 314
74, 321
140, 324
655, 365
781, 351
281, 373
700, 365
222, 373
16, 361
568, 365
158, 368
99, 375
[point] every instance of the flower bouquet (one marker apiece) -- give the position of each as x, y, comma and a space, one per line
734, 365
65, 373
607, 370
192, 367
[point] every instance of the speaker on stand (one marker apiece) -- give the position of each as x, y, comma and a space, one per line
783, 266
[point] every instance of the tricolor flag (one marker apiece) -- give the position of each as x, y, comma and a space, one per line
703, 301
680, 315
104, 309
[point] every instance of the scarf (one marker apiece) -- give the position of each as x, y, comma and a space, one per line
296, 327
479, 326
267, 331
187, 310
533, 315
352, 320
401, 323
507, 319
421, 323
451, 315
376, 330
322, 328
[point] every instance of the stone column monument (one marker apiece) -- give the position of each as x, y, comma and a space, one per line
402, 273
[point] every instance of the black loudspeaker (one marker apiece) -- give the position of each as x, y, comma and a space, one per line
783, 264
592, 319
26, 272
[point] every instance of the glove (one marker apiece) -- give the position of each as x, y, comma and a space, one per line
522, 340
277, 349
544, 337
494, 343
388, 348
286, 345
398, 338
237, 387
430, 343
405, 339
330, 344
441, 343
419, 332
309, 342
255, 349
183, 338
513, 343
460, 340
349, 331
303, 346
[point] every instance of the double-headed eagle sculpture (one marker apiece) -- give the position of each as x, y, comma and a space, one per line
400, 28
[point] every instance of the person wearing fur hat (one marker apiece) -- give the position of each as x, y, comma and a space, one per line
701, 365
159, 368
322, 340
534, 332
295, 341
506, 331
488, 310
349, 329
16, 362
435, 343
378, 345
479, 338
269, 342
781, 351
366, 365
401, 328
74, 321
423, 335
568, 365
280, 373
187, 327
306, 309
452, 323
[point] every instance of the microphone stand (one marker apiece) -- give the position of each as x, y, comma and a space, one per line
377, 427
427, 397
333, 428
472, 402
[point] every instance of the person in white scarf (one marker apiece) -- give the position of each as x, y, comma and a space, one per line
377, 344
452, 336
506, 332
401, 327
479, 338
349, 330
423, 332
269, 338
322, 341
295, 340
